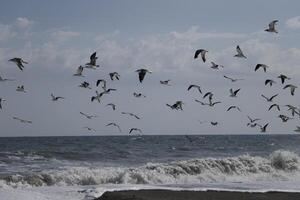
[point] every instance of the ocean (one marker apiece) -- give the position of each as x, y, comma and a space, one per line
85, 167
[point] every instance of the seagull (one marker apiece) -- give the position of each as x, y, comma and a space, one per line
234, 93
202, 52
177, 105
166, 82
292, 87
271, 98
131, 114
54, 98
89, 129
240, 53
297, 129
113, 106
1, 101
274, 105
284, 118
195, 86
135, 129
209, 94
19, 62
293, 109
22, 120
214, 123
113, 75
234, 107
261, 66
138, 95
270, 82
107, 91
263, 129
201, 102
215, 66
211, 104
21, 89
271, 28
283, 78
79, 71
92, 63
85, 85
142, 73
97, 97
5, 79
88, 116
232, 79
114, 124
252, 125
253, 120
103, 83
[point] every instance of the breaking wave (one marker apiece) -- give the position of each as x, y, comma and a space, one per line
279, 166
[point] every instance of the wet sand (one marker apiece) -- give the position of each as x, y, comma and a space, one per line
195, 195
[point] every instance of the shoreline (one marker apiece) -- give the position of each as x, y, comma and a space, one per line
162, 194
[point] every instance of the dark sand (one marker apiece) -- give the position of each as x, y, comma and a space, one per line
195, 195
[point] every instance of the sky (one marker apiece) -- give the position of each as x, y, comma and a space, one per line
55, 37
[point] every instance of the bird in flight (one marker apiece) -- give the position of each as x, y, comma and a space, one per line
21, 89
88, 116
166, 82
261, 66
234, 107
240, 53
114, 124
137, 95
135, 129
19, 62
85, 85
177, 105
293, 109
269, 99
284, 118
195, 86
79, 71
215, 66
232, 79
92, 64
202, 52
1, 101
22, 120
233, 93
97, 97
263, 129
131, 114
292, 88
270, 82
297, 129
272, 28
253, 120
114, 75
274, 105
113, 106
214, 123
103, 83
283, 78
89, 129
142, 73
5, 79
56, 98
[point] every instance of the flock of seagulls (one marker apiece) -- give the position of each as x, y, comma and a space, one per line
208, 97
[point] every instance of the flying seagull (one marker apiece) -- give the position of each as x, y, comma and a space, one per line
292, 87
131, 114
21, 89
142, 73
201, 102
297, 129
107, 91
166, 82
283, 78
270, 82
263, 129
293, 109
209, 94
113, 106
271, 28
195, 86
103, 83
114, 124
253, 120
240, 53
5, 79
89, 129
233, 79
54, 98
19, 62
284, 118
214, 123
274, 105
79, 71
97, 97
215, 66
177, 105
85, 85
261, 66
138, 95
233, 93
202, 52
271, 98
88, 116
1, 101
234, 107
135, 129
22, 120
92, 63
114, 75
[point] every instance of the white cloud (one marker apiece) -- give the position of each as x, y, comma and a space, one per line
293, 23
23, 22
6, 32
64, 35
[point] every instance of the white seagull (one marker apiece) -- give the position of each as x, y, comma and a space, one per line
22, 120
89, 129
240, 53
131, 114
113, 106
202, 52
261, 66
283, 78
88, 116
263, 129
233, 79
297, 129
135, 129
270, 82
79, 71
271, 28
21, 89
292, 87
97, 97
215, 66
233, 93
177, 105
103, 83
138, 95
19, 62
142, 73
234, 107
92, 64
114, 75
274, 105
195, 86
271, 98
166, 82
5, 79
56, 98
114, 124
85, 85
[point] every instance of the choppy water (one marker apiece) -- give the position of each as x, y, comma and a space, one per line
155, 160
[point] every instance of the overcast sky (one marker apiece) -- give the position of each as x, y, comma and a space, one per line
56, 36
